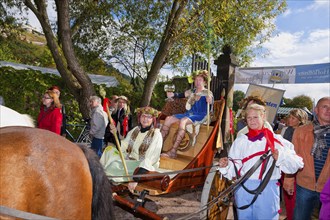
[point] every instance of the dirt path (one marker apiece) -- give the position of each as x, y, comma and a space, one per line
173, 206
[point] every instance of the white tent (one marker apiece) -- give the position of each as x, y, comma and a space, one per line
108, 81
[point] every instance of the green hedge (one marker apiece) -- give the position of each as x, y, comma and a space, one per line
22, 91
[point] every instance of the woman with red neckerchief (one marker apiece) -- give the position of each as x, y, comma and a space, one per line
245, 152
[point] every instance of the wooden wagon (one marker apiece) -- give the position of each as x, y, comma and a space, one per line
191, 169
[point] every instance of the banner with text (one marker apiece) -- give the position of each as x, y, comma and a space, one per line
271, 96
315, 73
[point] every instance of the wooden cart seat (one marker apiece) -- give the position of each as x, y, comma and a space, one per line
195, 134
170, 164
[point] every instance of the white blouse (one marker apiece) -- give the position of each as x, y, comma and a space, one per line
152, 155
288, 161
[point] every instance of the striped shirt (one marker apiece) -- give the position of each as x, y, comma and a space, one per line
319, 163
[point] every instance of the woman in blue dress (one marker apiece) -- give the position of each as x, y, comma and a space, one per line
196, 107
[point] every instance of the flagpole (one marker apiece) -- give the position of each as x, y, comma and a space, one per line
208, 67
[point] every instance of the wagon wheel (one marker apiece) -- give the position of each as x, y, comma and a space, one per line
186, 142
214, 184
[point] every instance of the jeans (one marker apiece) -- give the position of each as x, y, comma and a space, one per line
306, 201
97, 145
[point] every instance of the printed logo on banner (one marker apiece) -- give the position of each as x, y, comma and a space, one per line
316, 73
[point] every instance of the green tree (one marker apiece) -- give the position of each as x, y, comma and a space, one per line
159, 33
238, 96
302, 101
287, 102
61, 48
155, 33
5, 52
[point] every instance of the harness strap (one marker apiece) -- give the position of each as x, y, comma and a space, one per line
263, 183
231, 188
260, 188
253, 155
263, 166
238, 173
22, 214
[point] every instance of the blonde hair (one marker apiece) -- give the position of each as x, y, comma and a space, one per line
56, 101
126, 106
256, 107
300, 114
114, 97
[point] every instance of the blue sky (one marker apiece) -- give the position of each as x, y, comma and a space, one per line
302, 36
305, 15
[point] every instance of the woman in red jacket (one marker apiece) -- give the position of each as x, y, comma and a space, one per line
50, 116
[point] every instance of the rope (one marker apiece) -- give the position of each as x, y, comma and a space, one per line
162, 174
231, 188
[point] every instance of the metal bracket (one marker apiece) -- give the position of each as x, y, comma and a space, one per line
140, 200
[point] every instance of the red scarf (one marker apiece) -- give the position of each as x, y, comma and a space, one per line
254, 135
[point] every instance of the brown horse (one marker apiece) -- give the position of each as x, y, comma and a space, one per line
45, 174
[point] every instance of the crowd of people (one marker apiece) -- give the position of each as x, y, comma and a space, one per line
245, 152
298, 165
306, 187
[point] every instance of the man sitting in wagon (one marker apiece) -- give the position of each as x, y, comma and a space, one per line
196, 107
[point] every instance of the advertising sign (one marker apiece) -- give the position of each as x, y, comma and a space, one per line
315, 73
271, 96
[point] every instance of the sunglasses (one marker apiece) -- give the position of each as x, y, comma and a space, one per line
146, 116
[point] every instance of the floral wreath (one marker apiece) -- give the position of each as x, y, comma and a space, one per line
202, 73
147, 110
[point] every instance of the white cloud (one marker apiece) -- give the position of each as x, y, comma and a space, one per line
316, 5
287, 12
319, 35
297, 48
